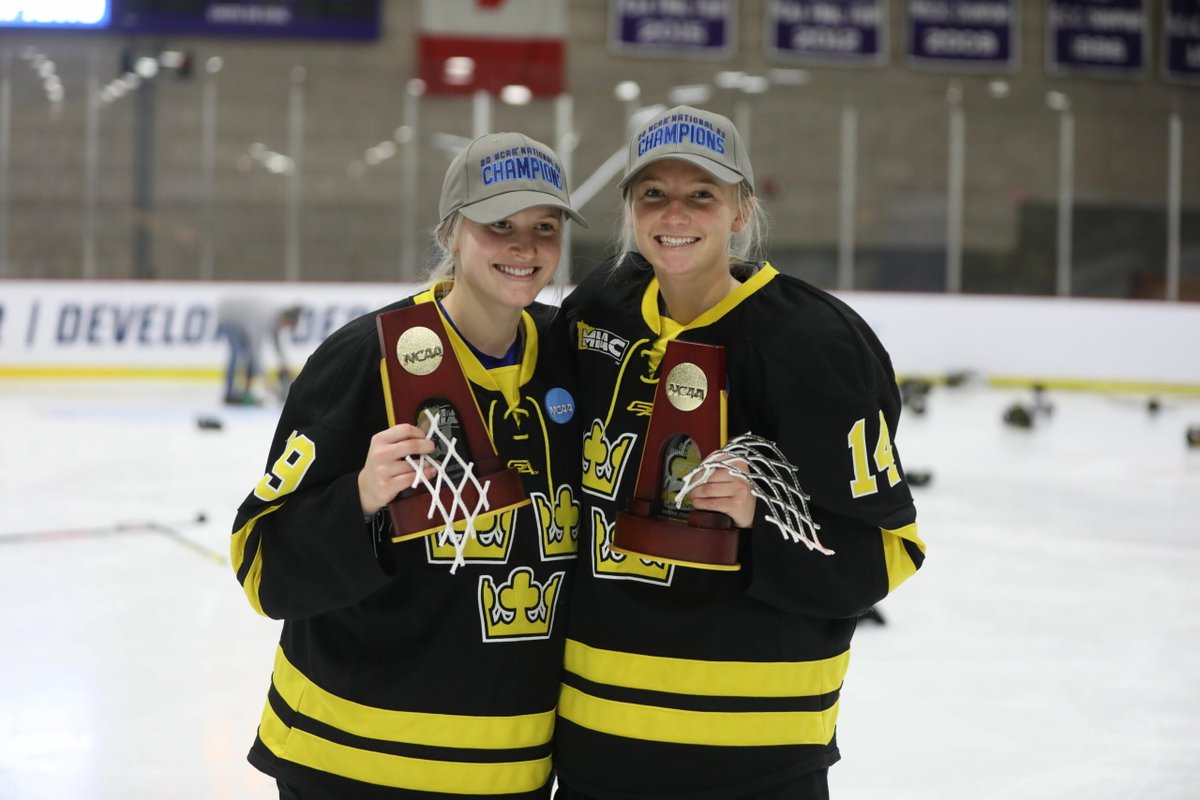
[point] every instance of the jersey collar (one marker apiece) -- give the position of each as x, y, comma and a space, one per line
505, 380
667, 328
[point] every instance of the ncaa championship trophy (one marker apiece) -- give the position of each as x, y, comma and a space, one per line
687, 421
424, 384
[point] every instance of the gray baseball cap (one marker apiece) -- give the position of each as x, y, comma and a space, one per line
501, 174
700, 137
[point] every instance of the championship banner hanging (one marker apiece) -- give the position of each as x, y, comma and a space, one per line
834, 32
973, 35
1107, 38
1181, 41
693, 28
470, 45
347, 19
424, 385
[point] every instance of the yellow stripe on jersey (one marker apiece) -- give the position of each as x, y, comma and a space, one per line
401, 772
900, 566
707, 678
717, 728
237, 555
387, 392
433, 730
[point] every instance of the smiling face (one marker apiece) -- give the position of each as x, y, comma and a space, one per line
684, 219
507, 263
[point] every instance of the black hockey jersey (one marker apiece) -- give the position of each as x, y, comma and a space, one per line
395, 678
693, 683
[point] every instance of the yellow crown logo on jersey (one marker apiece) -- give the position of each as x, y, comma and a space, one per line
558, 523
520, 608
491, 543
607, 563
604, 461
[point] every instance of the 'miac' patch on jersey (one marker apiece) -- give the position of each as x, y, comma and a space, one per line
599, 340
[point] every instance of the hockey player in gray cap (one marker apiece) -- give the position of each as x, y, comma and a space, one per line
720, 679
410, 667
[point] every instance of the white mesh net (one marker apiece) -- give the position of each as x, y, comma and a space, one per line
442, 477
772, 479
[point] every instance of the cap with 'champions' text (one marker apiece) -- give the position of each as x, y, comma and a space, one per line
501, 174
699, 137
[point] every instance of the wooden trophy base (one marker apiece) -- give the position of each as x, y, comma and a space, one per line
705, 540
410, 511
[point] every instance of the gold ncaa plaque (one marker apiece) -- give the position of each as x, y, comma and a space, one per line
687, 386
419, 350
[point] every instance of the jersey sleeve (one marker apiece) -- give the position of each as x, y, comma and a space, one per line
300, 546
834, 417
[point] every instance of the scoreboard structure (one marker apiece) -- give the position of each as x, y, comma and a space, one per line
315, 19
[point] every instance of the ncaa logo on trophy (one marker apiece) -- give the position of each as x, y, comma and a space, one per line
419, 350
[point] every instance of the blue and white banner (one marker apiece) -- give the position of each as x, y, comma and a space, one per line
157, 328
963, 34
1098, 37
694, 28
1181, 41
88, 329
346, 19
837, 32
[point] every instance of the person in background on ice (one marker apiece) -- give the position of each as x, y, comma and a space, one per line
690, 682
396, 676
247, 323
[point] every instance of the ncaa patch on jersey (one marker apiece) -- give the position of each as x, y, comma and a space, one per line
560, 405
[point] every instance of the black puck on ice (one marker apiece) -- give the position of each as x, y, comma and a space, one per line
918, 477
957, 377
209, 424
1018, 416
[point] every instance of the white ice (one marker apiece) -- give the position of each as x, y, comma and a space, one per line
1050, 648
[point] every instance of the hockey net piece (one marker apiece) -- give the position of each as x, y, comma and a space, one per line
772, 479
442, 479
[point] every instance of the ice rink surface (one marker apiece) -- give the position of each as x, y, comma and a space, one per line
1049, 650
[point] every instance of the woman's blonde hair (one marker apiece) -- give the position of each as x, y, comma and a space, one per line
445, 237
744, 246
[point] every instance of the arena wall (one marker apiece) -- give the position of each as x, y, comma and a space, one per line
56, 329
